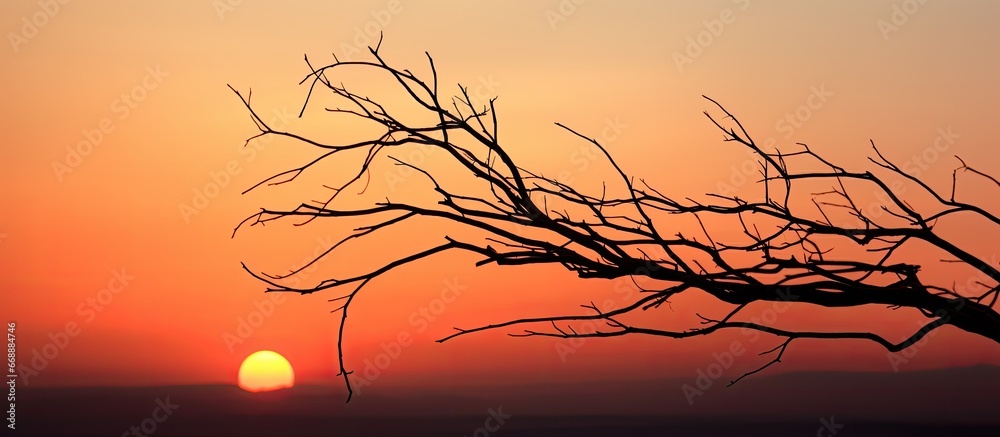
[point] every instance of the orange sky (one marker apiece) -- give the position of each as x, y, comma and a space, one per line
153, 76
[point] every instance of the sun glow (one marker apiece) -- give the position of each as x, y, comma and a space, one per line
265, 371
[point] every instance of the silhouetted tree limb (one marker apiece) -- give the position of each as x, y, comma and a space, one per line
525, 217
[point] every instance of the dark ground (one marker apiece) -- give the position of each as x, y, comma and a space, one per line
952, 402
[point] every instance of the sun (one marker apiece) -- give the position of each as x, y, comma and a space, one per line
265, 371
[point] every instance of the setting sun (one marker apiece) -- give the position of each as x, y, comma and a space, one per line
265, 371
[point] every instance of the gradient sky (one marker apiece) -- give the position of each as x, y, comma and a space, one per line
154, 76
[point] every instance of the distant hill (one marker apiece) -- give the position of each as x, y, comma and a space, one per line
957, 401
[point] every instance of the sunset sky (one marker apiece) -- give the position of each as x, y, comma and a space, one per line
146, 83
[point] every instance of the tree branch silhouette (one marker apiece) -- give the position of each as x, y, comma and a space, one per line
525, 217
